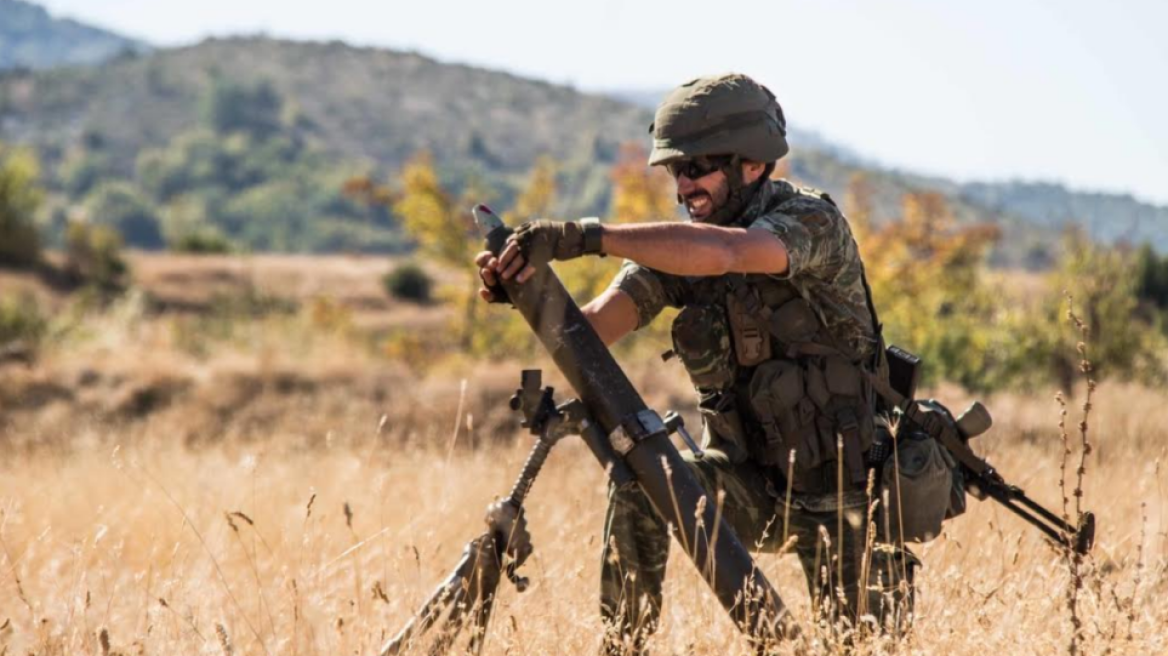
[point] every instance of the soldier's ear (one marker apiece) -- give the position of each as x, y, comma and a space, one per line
752, 171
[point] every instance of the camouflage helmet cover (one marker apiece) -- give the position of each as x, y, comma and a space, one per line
719, 115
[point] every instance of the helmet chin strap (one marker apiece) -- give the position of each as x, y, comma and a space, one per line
740, 194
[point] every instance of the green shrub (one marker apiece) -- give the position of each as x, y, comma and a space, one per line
202, 242
21, 320
19, 198
408, 282
121, 205
94, 255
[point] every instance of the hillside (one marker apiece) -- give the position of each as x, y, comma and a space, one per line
361, 103
31, 38
339, 110
1110, 218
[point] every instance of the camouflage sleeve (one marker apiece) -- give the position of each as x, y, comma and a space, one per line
647, 289
816, 235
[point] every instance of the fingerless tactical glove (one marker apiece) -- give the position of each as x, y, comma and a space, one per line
544, 240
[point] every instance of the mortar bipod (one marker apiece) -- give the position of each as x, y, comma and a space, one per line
469, 591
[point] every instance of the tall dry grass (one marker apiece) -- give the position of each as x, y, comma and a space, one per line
283, 545
286, 492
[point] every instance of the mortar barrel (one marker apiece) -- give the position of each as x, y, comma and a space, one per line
668, 483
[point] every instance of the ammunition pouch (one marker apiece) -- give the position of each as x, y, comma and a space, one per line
807, 401
760, 349
920, 480
786, 416
752, 340
701, 339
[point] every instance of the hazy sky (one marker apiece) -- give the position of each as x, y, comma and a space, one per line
1063, 90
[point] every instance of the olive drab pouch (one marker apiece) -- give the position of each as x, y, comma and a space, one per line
786, 415
701, 339
721, 419
794, 323
919, 480
843, 398
752, 340
957, 490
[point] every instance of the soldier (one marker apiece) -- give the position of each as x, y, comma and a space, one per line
776, 323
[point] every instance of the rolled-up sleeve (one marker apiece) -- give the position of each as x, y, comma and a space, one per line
814, 232
645, 287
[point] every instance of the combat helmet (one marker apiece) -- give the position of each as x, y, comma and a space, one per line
727, 114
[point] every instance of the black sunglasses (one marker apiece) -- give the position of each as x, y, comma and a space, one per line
697, 167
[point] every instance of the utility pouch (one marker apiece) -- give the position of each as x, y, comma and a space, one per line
919, 479
842, 401
701, 338
720, 415
752, 341
786, 415
794, 322
941, 414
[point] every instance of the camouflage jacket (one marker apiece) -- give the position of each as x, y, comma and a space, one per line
824, 264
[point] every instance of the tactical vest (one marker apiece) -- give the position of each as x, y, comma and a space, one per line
773, 380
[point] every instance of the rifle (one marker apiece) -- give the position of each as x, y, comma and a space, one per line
981, 479
630, 441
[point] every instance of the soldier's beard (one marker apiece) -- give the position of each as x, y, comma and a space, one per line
724, 204
702, 204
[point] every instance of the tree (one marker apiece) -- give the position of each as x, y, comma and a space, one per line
120, 205
253, 108
443, 228
926, 277
539, 196
640, 193
1152, 277
20, 196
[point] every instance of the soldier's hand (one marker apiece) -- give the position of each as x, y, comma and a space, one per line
513, 262
534, 243
491, 291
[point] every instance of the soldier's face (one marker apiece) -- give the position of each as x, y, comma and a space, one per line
703, 196
709, 189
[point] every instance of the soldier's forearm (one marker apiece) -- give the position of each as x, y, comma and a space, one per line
696, 249
686, 249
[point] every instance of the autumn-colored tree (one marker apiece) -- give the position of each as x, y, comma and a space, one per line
539, 196
858, 202
442, 226
439, 222
640, 193
926, 278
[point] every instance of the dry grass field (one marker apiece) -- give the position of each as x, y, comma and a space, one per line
289, 493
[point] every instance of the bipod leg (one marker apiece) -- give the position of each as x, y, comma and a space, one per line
476, 575
1081, 537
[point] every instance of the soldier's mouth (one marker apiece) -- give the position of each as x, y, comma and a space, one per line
699, 204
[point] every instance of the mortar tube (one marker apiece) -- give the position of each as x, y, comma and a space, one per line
674, 491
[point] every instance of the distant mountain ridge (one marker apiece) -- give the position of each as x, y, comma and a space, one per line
379, 107
31, 38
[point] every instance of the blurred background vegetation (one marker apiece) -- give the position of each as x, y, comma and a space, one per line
234, 147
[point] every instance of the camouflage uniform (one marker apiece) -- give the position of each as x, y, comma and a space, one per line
825, 269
